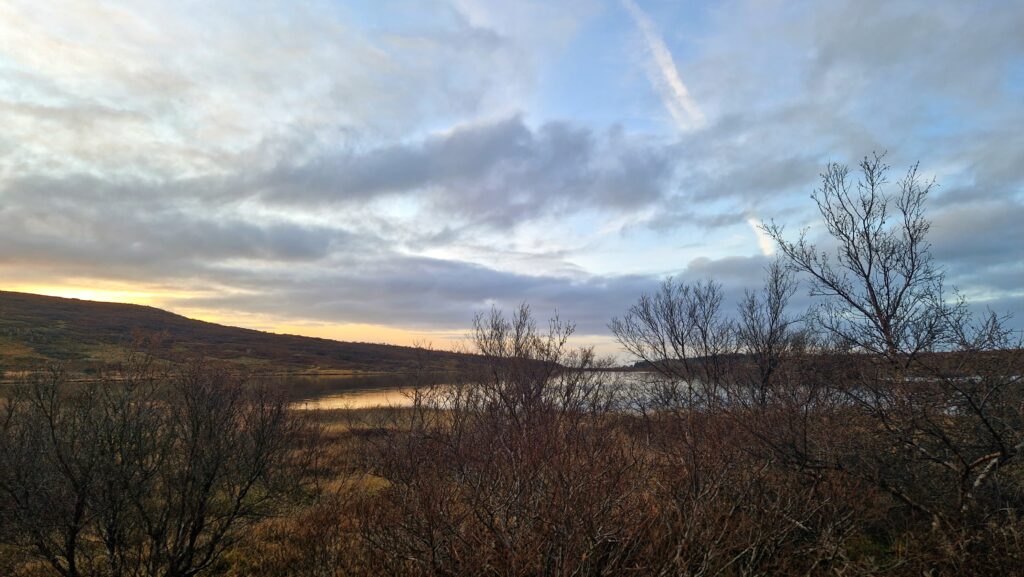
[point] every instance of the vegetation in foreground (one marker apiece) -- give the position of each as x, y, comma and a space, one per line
880, 433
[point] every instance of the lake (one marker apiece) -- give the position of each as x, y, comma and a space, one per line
395, 390
357, 392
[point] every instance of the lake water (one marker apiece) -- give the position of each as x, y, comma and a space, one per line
356, 392
388, 390
358, 400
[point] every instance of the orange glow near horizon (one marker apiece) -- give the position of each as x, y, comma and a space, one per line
160, 296
111, 295
176, 301
353, 332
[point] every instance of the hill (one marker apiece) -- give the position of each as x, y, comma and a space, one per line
36, 329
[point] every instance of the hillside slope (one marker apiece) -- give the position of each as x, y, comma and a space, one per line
36, 329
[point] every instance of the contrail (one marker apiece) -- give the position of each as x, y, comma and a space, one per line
674, 94
764, 242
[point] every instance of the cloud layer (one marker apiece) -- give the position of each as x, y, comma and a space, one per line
397, 163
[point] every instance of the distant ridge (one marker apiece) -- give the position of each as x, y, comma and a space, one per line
36, 330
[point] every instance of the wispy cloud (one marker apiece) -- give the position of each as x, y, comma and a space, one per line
664, 74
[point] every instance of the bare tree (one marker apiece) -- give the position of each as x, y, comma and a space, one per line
883, 292
767, 330
932, 411
681, 335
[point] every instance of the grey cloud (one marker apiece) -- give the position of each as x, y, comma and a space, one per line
961, 49
797, 86
496, 174
148, 236
980, 246
431, 293
169, 90
427, 293
674, 218
983, 233
351, 176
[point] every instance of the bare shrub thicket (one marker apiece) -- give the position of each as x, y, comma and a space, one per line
524, 469
887, 383
152, 474
719, 384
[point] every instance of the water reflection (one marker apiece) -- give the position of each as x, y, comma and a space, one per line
358, 400
395, 390
358, 392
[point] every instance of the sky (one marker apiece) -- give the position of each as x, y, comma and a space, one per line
383, 170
